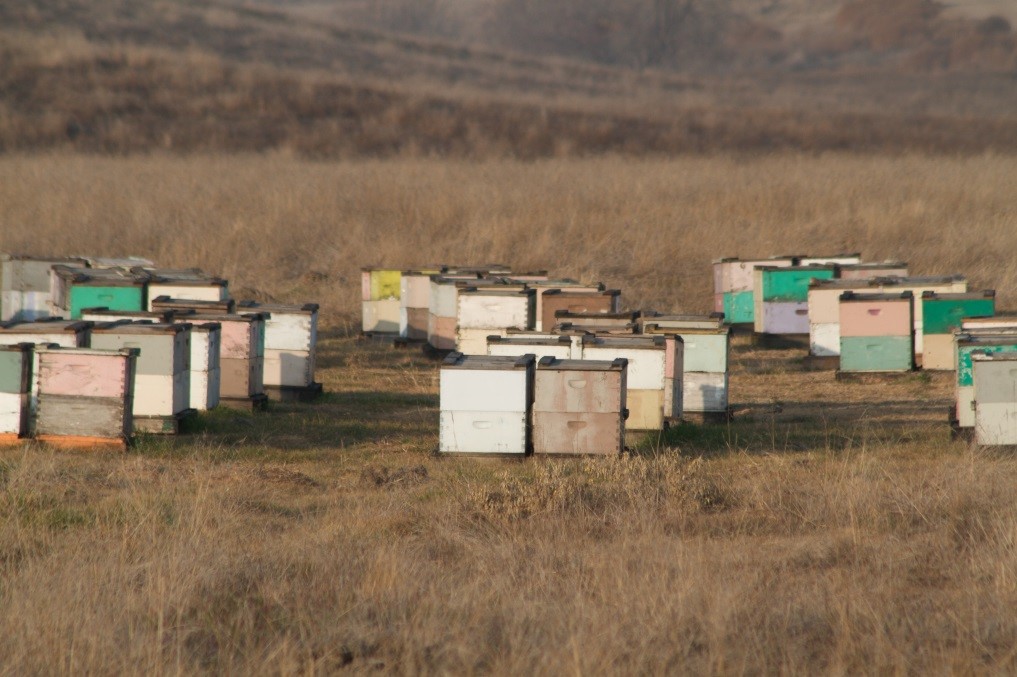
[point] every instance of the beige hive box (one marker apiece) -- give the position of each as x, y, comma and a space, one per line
291, 344
162, 382
867, 271
579, 407
485, 404
876, 332
483, 312
559, 347
995, 384
666, 321
824, 313
186, 283
15, 389
84, 397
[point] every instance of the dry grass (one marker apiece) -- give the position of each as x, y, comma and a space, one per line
830, 527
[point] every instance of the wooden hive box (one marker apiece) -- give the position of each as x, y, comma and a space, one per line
994, 322
291, 340
824, 312
559, 347
74, 289
540, 286
84, 397
103, 314
25, 286
485, 404
868, 271
781, 297
443, 309
381, 289
64, 333
241, 357
415, 302
705, 354
579, 407
206, 373
488, 311
576, 300
989, 341
995, 398
15, 388
654, 378
163, 304
186, 284
733, 283
162, 386
942, 315
875, 332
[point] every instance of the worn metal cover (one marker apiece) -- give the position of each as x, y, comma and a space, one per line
665, 322
64, 333
876, 314
995, 322
625, 319
577, 301
101, 315
164, 303
995, 394
843, 259
876, 353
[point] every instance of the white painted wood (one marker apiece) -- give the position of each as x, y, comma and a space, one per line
24, 306
989, 323
11, 413
646, 365
705, 391
444, 298
155, 395
415, 291
840, 259
824, 339
483, 390
62, 339
965, 397
996, 423
561, 352
481, 311
705, 352
824, 303
288, 368
186, 292
474, 341
290, 331
483, 432
381, 316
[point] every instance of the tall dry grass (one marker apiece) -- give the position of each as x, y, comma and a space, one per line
301, 230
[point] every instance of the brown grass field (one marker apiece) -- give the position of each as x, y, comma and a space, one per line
830, 527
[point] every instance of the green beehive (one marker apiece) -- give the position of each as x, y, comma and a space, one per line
112, 288
876, 353
987, 341
738, 308
942, 313
790, 284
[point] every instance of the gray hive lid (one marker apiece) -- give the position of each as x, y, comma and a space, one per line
920, 281
489, 362
530, 341
186, 277
653, 328
626, 316
229, 317
135, 314
126, 327
626, 342
553, 363
836, 283
170, 303
102, 277
48, 326
99, 262
853, 297
959, 296
291, 308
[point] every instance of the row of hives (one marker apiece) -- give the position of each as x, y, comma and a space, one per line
142, 360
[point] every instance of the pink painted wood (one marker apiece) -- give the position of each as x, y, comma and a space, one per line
82, 375
876, 318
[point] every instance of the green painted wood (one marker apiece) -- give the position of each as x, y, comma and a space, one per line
876, 353
11, 371
943, 316
738, 307
385, 284
791, 284
114, 298
965, 376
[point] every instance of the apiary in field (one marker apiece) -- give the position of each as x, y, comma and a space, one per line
415, 302
485, 404
576, 300
848, 259
876, 332
25, 286
83, 397
781, 298
995, 398
381, 305
186, 284
734, 282
241, 357
74, 289
867, 271
654, 378
291, 344
162, 381
579, 407
559, 347
64, 333
483, 312
989, 341
704, 370
163, 304
15, 388
942, 315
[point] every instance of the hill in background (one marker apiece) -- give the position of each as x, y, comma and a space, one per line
505, 77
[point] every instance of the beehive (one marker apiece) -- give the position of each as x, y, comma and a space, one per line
995, 385
241, 357
84, 397
186, 284
867, 271
74, 289
662, 322
206, 375
824, 312
704, 368
540, 286
483, 312
575, 338
576, 300
381, 290
847, 259
414, 302
443, 310
291, 341
64, 333
579, 407
781, 297
623, 319
951, 284
15, 386
162, 387
559, 347
733, 284
527, 277
989, 341
485, 404
654, 379
942, 315
483, 270
876, 332
25, 286
163, 304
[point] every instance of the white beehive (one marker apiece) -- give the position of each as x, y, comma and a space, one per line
241, 357
415, 301
291, 340
705, 367
995, 383
483, 312
995, 340
485, 404
850, 259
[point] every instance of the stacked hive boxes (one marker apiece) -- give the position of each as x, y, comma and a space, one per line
967, 342
291, 339
162, 385
25, 293
576, 300
414, 303
706, 347
876, 332
190, 284
74, 289
942, 315
654, 379
84, 397
443, 310
733, 285
995, 397
824, 313
579, 407
487, 311
781, 297
950, 284
381, 291
241, 358
15, 386
485, 404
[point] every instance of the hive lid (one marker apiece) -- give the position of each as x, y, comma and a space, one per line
553, 363
143, 327
567, 291
71, 261
101, 352
563, 282
228, 317
278, 307
652, 328
812, 267
491, 362
627, 342
998, 337
102, 277
138, 314
761, 260
629, 316
959, 296
425, 271
994, 321
920, 281
542, 340
45, 326
619, 329
841, 255
483, 269
185, 277
868, 265
99, 262
500, 290
853, 297
987, 356
168, 303
823, 284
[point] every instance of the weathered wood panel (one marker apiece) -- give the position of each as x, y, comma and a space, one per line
65, 415
578, 433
